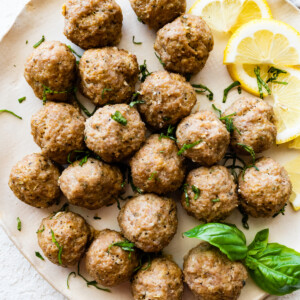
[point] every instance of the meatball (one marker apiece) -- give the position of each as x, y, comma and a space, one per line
211, 275
58, 128
210, 194
71, 234
264, 191
109, 264
34, 180
93, 23
255, 124
156, 167
204, 138
168, 98
92, 185
149, 221
157, 13
161, 280
51, 71
184, 44
110, 139
108, 75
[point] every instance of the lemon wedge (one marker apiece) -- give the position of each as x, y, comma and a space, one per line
264, 41
293, 168
228, 15
294, 144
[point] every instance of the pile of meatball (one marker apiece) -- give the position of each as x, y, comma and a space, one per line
131, 134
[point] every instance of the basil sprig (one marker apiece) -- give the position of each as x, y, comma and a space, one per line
273, 267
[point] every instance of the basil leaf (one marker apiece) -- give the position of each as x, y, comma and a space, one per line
259, 243
276, 269
228, 238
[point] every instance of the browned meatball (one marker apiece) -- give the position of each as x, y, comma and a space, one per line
93, 23
255, 123
211, 275
184, 44
110, 265
157, 13
34, 180
266, 191
92, 185
58, 128
208, 135
71, 233
168, 98
149, 221
210, 194
51, 71
110, 139
108, 75
162, 280
156, 167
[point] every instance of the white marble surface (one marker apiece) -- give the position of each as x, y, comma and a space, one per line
18, 279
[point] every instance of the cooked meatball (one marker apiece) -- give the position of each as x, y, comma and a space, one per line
92, 185
157, 13
34, 180
210, 194
51, 71
168, 98
156, 167
108, 75
111, 140
161, 280
255, 124
71, 233
184, 44
149, 221
93, 23
264, 192
208, 135
211, 275
58, 128
110, 265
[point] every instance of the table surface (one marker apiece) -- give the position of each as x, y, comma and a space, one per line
18, 279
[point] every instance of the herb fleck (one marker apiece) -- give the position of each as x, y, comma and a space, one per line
58, 246
10, 112
261, 83
275, 72
231, 86
19, 226
38, 254
136, 43
144, 72
160, 60
68, 278
169, 135
39, 42
73, 51
188, 146
196, 192
186, 195
22, 99
117, 116
104, 91
126, 246
282, 211
200, 89
216, 200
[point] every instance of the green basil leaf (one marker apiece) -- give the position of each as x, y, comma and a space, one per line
276, 269
259, 243
228, 238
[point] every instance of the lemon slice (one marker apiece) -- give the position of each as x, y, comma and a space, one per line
293, 168
228, 15
264, 41
295, 144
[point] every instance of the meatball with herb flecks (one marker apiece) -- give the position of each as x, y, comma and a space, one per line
156, 167
210, 275
107, 261
210, 194
184, 45
203, 138
92, 184
159, 279
51, 71
149, 221
115, 132
34, 180
93, 23
254, 123
264, 189
63, 238
108, 75
167, 98
157, 13
58, 129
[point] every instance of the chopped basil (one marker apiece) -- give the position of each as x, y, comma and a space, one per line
68, 278
200, 89
82, 107
10, 112
22, 99
134, 100
196, 192
58, 246
97, 218
19, 226
217, 109
188, 146
275, 72
136, 43
144, 72
48, 90
38, 254
153, 175
41, 230
73, 51
104, 91
126, 246
282, 211
81, 155
117, 116
39, 42
231, 86
216, 200
159, 58
261, 83
169, 135
245, 217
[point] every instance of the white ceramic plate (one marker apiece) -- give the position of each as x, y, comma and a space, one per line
44, 18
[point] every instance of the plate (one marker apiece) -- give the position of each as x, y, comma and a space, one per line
44, 18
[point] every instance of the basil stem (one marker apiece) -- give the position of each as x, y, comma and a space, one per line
73, 51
